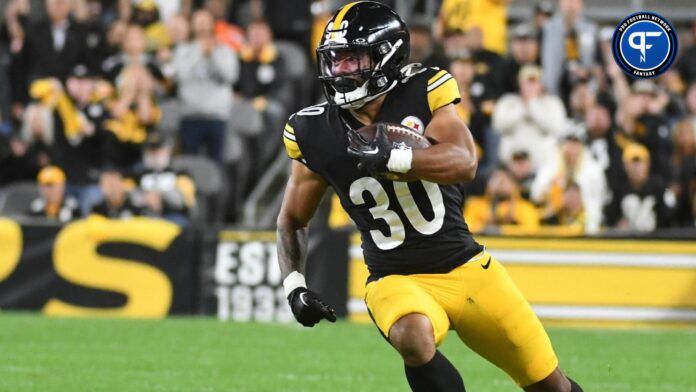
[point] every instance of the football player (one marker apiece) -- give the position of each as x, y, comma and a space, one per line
427, 274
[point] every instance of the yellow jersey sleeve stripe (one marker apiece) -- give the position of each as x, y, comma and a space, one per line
289, 128
292, 148
443, 94
439, 82
342, 13
437, 76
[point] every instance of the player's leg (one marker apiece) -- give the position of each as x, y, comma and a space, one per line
412, 336
426, 368
414, 323
556, 381
496, 321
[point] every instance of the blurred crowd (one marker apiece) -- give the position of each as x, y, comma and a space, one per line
171, 108
144, 107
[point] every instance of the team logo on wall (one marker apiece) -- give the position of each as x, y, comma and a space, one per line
415, 123
644, 44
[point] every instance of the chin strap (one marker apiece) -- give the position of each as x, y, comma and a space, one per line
360, 102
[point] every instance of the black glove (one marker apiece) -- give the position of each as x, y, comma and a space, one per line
308, 308
372, 156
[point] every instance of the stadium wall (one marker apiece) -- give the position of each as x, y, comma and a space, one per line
132, 268
151, 268
585, 280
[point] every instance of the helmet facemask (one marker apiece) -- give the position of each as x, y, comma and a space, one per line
353, 74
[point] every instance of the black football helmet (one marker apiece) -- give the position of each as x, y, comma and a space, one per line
360, 57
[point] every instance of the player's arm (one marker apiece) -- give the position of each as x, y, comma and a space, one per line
302, 196
450, 160
453, 158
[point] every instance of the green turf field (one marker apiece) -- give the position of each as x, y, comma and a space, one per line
202, 354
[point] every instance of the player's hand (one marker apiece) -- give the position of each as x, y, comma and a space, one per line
374, 155
308, 308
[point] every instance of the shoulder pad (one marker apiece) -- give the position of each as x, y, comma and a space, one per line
442, 89
412, 70
296, 125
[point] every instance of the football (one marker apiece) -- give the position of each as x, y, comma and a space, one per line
397, 135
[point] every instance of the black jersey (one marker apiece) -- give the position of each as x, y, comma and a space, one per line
406, 228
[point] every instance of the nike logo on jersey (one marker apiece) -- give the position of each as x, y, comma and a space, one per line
488, 263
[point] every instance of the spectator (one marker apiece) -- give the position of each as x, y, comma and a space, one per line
205, 72
225, 32
68, 134
423, 49
687, 60
604, 61
166, 192
117, 203
524, 50
573, 164
641, 119
53, 203
115, 35
543, 10
571, 216
89, 94
169, 8
95, 34
289, 20
601, 140
36, 135
522, 170
529, 121
488, 16
17, 160
14, 26
568, 49
691, 103
51, 48
641, 202
262, 68
684, 169
146, 14
502, 205
134, 111
489, 65
582, 96
266, 94
132, 56
179, 31
454, 43
671, 89
476, 105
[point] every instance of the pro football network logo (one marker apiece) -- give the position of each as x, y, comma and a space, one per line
644, 44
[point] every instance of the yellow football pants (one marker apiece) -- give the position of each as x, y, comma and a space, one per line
480, 301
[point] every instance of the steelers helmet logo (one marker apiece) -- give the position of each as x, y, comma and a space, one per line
415, 123
644, 44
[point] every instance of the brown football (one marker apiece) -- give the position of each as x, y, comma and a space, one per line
397, 133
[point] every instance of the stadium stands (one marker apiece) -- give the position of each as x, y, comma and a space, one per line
130, 97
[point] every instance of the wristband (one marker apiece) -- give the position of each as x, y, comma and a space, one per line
400, 160
293, 281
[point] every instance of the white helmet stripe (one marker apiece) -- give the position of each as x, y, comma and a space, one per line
389, 55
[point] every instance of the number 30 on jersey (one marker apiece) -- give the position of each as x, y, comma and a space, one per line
381, 210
